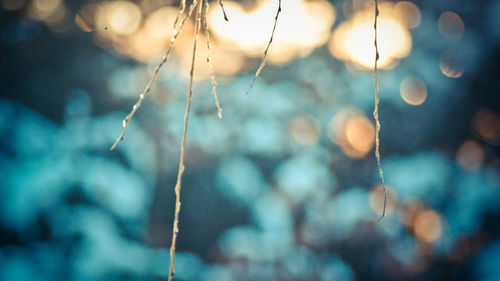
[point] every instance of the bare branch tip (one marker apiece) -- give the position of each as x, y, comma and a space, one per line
379, 219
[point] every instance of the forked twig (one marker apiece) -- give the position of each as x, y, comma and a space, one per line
375, 112
175, 228
136, 106
212, 75
263, 63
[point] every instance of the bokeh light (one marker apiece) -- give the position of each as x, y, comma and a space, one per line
118, 17
353, 132
52, 12
451, 64
413, 90
408, 13
285, 186
160, 23
428, 226
308, 24
352, 40
450, 25
486, 124
470, 155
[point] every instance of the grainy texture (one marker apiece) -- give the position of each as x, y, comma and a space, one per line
264, 58
175, 228
209, 61
375, 112
136, 106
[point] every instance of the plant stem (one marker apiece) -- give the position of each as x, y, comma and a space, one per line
375, 112
175, 228
264, 58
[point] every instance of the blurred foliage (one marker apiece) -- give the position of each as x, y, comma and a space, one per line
283, 187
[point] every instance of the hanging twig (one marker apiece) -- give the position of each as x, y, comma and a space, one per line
375, 112
136, 106
175, 228
263, 63
223, 11
209, 61
182, 7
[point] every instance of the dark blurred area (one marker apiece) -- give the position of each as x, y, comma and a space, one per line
285, 185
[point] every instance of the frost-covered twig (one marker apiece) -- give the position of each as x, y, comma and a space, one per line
264, 58
175, 228
375, 112
209, 61
136, 106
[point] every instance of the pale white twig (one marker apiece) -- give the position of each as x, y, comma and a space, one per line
212, 75
375, 112
136, 106
264, 58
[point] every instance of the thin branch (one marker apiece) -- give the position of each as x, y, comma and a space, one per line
375, 112
136, 106
175, 228
263, 63
212, 75
182, 7
223, 11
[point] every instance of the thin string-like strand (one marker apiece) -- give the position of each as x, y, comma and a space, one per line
175, 228
209, 61
182, 7
136, 106
221, 4
375, 112
264, 58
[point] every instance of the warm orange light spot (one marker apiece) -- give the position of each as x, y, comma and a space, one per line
304, 26
226, 60
352, 41
411, 213
118, 18
359, 132
450, 25
353, 132
305, 130
428, 226
376, 200
470, 155
413, 90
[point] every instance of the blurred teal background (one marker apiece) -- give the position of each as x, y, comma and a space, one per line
284, 186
